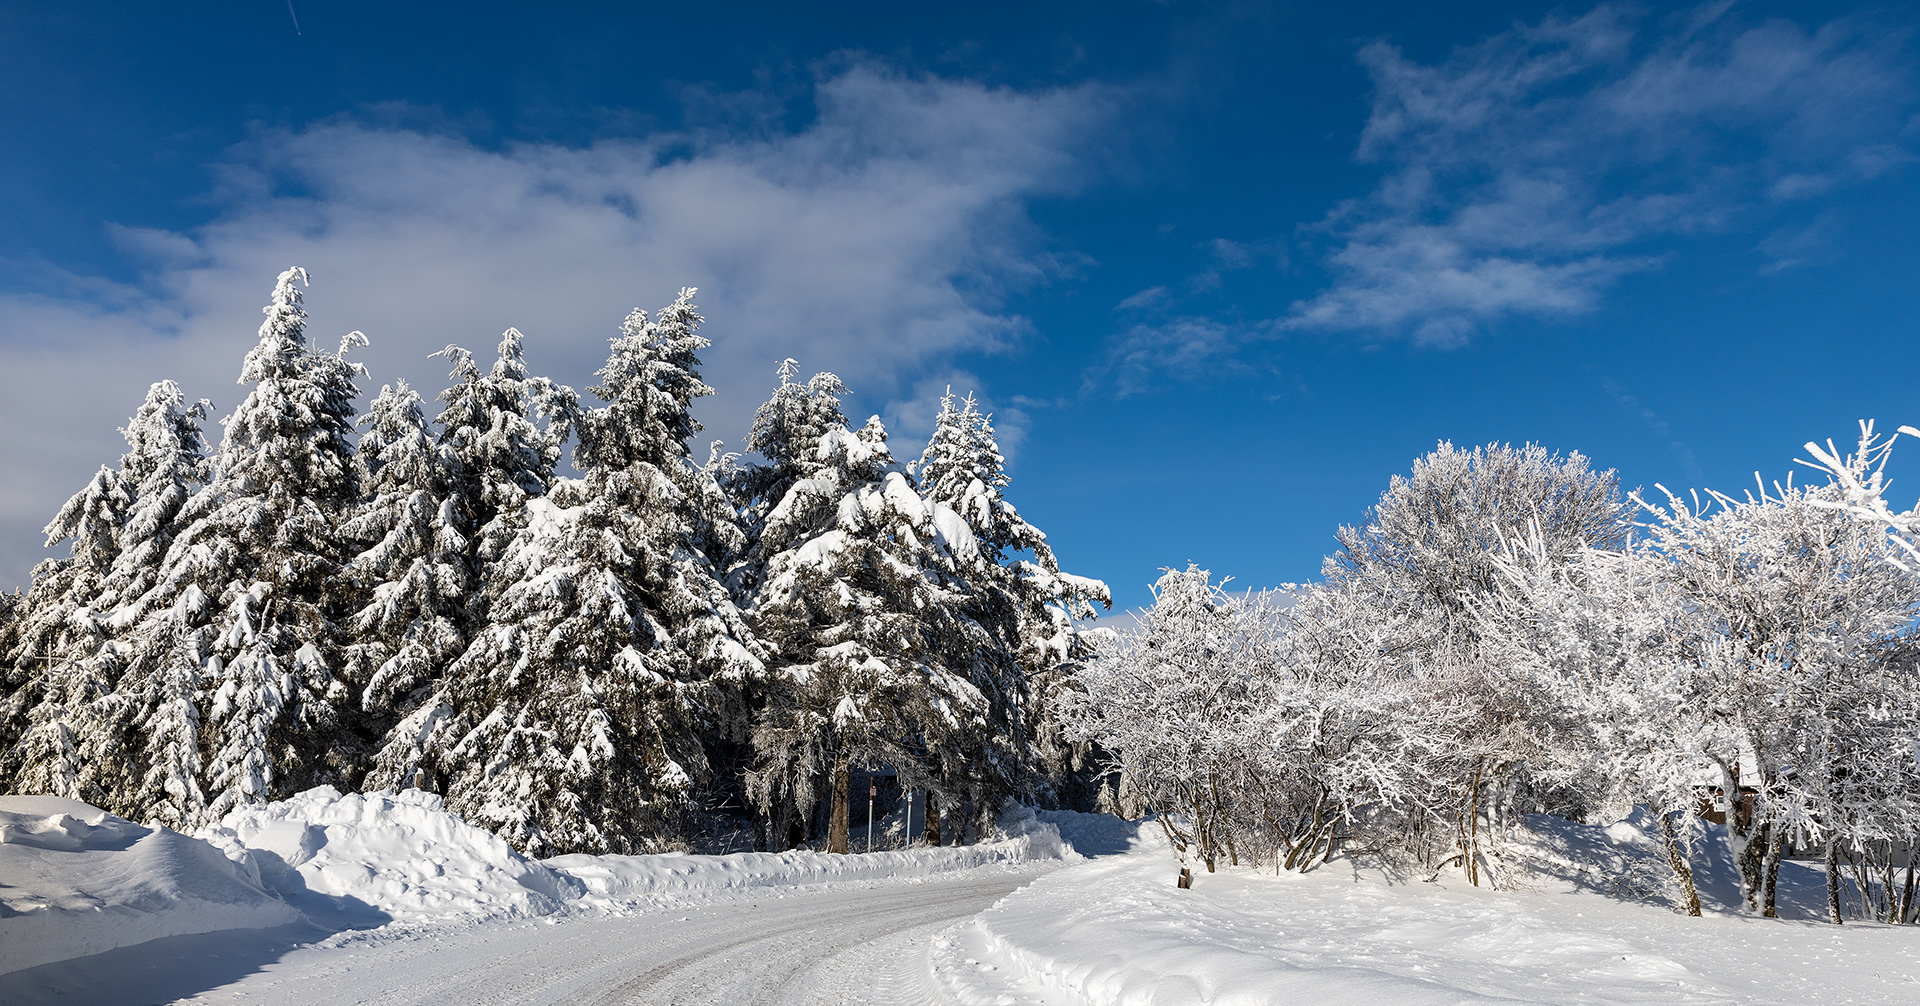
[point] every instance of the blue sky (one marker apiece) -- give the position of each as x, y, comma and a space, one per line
1220, 270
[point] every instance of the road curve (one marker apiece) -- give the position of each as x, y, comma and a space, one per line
841, 944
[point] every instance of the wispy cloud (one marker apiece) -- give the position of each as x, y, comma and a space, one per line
1656, 425
1527, 174
877, 242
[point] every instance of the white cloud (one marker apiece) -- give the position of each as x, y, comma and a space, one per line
878, 242
1527, 174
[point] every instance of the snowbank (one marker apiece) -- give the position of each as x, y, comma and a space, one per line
613, 881
1118, 930
368, 858
76, 880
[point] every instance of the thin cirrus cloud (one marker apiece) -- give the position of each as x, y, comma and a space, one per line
876, 242
1527, 174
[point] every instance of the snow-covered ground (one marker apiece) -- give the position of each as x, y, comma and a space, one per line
1118, 930
332, 898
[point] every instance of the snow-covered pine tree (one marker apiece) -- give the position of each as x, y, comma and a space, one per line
251, 588
59, 664
167, 462
568, 724
492, 457
962, 468
879, 658
500, 454
69, 678
413, 560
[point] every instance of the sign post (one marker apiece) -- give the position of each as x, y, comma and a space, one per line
873, 790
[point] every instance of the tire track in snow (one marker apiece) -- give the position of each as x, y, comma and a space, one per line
819, 960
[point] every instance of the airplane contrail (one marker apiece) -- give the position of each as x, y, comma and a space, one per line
296, 17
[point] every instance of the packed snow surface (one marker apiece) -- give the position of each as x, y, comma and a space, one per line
76, 880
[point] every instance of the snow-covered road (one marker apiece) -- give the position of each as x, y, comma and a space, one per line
841, 944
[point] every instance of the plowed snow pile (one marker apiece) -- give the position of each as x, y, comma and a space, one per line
375, 857
76, 880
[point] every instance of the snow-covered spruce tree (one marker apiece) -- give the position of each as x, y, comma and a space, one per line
569, 722
59, 669
962, 469
491, 457
863, 589
85, 698
413, 561
250, 588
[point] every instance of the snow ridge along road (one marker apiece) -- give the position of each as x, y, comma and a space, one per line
846, 943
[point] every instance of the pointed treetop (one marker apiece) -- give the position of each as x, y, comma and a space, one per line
283, 337
649, 383
163, 426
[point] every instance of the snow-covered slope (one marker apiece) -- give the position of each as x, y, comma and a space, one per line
1118, 930
76, 880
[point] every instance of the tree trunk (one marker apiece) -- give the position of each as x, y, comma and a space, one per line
1677, 859
1771, 871
933, 819
1833, 880
837, 828
1907, 889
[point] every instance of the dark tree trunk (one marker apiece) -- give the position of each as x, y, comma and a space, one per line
1833, 880
837, 828
1677, 859
1771, 871
933, 819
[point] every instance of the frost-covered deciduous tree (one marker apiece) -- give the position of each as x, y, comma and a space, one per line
1753, 649
1174, 702
1787, 605
1426, 554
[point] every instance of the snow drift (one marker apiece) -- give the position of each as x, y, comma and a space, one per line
375, 857
76, 880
